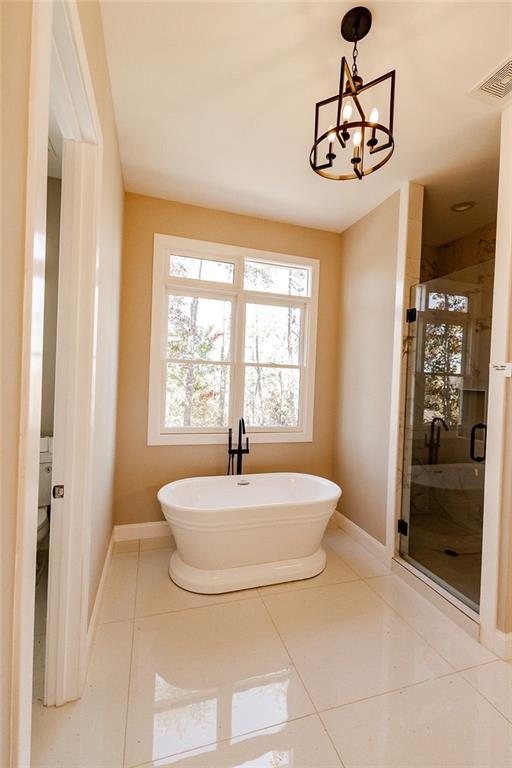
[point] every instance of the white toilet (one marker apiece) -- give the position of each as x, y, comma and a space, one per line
45, 488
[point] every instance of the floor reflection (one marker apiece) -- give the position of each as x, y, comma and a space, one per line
184, 718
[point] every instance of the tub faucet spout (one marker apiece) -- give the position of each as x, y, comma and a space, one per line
239, 451
435, 439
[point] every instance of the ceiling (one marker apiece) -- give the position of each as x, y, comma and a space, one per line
214, 102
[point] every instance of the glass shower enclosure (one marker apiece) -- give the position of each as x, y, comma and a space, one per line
448, 358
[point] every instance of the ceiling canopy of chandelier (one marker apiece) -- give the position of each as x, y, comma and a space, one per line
354, 128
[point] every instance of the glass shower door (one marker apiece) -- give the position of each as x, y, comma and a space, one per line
445, 429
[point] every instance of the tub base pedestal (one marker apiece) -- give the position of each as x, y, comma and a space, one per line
208, 582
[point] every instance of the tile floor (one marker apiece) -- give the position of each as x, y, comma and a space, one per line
351, 668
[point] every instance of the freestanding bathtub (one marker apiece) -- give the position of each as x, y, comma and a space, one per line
243, 531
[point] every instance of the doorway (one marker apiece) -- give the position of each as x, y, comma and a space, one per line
449, 344
448, 349
46, 446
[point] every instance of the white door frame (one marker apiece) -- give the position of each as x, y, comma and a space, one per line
497, 474
58, 66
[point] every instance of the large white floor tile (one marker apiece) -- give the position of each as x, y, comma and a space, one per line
355, 556
449, 640
118, 602
347, 644
494, 681
89, 733
299, 744
438, 724
206, 675
335, 572
156, 593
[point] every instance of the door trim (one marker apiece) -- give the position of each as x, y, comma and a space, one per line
74, 107
498, 483
58, 58
497, 480
30, 395
407, 274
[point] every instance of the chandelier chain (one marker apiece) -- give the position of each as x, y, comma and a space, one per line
355, 54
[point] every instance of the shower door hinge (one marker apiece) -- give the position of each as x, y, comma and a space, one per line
403, 527
410, 315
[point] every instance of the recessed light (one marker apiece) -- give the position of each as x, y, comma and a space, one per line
464, 206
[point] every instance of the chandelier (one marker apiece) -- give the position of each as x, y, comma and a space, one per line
358, 132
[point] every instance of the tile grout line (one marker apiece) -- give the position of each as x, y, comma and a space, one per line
301, 679
483, 696
256, 594
413, 629
483, 663
392, 690
223, 741
267, 611
131, 660
451, 672
324, 727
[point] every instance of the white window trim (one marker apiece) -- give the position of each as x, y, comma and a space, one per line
163, 244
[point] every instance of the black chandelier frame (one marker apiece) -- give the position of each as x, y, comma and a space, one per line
351, 87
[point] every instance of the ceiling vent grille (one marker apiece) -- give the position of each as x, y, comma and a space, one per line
497, 86
500, 83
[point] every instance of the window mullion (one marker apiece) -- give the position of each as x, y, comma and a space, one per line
278, 366
195, 361
237, 400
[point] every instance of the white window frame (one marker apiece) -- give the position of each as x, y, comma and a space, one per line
163, 282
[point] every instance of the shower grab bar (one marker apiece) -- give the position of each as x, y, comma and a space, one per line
472, 451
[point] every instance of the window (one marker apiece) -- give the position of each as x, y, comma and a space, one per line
233, 334
451, 302
444, 340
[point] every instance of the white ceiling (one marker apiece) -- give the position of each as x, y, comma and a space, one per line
214, 102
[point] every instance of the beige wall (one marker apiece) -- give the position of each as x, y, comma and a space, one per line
141, 470
367, 300
51, 282
109, 269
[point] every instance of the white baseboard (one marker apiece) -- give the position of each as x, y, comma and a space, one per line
93, 621
503, 644
141, 530
363, 538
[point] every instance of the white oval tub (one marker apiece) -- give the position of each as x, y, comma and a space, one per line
242, 531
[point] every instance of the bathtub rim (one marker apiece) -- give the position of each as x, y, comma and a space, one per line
261, 505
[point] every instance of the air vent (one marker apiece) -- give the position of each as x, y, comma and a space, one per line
496, 88
500, 83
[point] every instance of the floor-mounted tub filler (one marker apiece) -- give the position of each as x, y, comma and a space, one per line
243, 531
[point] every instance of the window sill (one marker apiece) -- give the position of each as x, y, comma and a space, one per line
222, 438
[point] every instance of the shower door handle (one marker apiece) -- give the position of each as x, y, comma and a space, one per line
472, 452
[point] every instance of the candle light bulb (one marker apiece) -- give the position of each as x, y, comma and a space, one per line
347, 112
332, 133
357, 138
374, 115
